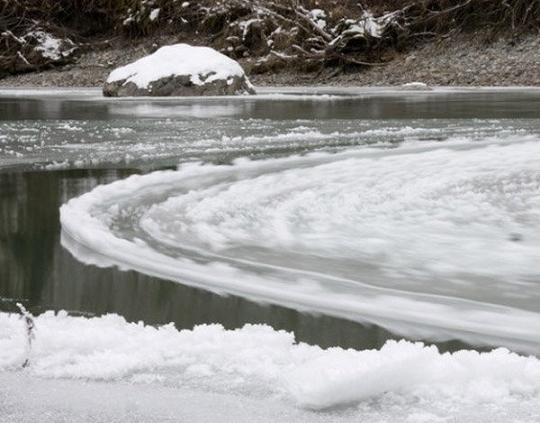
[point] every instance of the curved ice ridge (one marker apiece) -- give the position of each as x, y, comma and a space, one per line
259, 361
413, 239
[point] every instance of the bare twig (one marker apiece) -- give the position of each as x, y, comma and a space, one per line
30, 328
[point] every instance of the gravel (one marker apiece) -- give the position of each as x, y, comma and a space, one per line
469, 59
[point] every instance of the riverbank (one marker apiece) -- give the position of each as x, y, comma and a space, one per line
466, 59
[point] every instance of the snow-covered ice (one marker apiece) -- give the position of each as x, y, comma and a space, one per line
257, 363
419, 239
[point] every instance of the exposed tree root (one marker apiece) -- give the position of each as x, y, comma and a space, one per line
276, 33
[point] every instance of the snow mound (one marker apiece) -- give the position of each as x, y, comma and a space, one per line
416, 86
179, 59
259, 361
196, 66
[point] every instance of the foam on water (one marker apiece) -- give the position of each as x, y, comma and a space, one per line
429, 239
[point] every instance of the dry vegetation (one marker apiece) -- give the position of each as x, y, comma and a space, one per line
281, 33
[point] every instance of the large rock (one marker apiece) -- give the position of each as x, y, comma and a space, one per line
179, 70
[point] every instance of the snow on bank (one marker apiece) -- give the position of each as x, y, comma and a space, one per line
202, 64
49, 46
257, 361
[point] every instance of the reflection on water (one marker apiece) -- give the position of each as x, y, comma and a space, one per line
362, 105
36, 269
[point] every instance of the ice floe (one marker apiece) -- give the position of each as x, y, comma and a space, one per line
417, 239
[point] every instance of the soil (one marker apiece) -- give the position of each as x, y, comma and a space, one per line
467, 59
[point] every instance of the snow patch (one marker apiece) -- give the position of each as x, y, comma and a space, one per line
154, 14
259, 361
415, 86
318, 16
367, 26
49, 46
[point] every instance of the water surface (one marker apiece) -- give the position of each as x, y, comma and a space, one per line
55, 146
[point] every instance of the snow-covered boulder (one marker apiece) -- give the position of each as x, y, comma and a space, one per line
179, 70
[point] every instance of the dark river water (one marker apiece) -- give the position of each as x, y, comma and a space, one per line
57, 146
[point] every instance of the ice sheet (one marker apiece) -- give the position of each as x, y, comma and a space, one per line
436, 240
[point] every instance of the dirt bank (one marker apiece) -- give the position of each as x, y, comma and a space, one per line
462, 60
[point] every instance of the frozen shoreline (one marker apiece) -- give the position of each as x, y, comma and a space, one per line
248, 374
